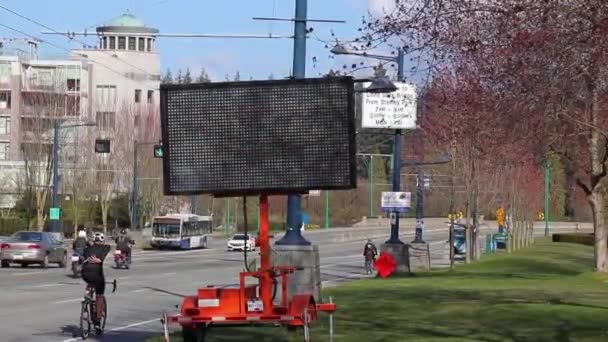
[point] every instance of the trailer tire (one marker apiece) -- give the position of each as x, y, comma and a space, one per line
194, 333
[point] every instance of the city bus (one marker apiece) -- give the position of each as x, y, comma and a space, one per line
181, 231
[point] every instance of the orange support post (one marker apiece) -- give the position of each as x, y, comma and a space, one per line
265, 277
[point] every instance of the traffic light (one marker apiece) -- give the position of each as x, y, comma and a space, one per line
102, 146
159, 151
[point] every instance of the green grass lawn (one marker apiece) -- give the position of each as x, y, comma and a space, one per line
543, 293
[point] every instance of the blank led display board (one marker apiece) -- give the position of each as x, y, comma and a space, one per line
272, 137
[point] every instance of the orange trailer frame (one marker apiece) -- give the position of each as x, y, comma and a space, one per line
250, 304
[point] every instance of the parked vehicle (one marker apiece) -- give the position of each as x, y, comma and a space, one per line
240, 242
121, 260
26, 248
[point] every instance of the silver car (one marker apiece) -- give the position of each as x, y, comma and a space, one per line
25, 248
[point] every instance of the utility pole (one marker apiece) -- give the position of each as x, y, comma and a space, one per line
371, 186
394, 239
452, 192
547, 166
55, 196
326, 209
293, 235
135, 190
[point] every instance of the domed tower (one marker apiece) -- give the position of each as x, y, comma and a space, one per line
125, 73
127, 33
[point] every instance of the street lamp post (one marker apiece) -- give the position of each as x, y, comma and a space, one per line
135, 188
55, 188
420, 185
547, 167
396, 183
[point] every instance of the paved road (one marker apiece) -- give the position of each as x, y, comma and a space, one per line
43, 305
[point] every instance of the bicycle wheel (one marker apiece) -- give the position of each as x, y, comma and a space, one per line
85, 320
102, 322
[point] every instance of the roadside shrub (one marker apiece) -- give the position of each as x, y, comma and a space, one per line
580, 238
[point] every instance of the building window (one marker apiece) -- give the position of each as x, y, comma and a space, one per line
141, 42
5, 100
105, 120
150, 96
73, 84
5, 125
4, 150
105, 96
132, 45
105, 43
121, 43
149, 44
137, 95
112, 43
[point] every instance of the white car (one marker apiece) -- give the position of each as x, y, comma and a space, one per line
240, 242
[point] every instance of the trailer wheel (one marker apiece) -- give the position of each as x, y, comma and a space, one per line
194, 333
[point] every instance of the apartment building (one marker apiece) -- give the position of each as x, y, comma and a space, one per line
111, 84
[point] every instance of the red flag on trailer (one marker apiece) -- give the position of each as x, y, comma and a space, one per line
386, 265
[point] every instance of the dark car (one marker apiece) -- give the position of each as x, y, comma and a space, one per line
26, 248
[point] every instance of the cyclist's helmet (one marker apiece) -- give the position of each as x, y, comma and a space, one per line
99, 237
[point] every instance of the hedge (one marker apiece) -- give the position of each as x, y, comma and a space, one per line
580, 238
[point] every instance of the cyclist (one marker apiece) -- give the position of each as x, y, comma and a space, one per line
123, 243
370, 251
92, 272
80, 243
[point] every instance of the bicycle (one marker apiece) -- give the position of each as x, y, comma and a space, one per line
87, 312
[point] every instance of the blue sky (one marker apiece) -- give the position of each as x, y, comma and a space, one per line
251, 57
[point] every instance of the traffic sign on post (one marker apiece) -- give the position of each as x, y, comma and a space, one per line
396, 201
159, 151
54, 213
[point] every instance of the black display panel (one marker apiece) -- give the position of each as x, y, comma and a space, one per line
278, 136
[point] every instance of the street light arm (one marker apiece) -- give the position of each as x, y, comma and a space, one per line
341, 50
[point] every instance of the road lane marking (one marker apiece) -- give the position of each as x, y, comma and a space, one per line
68, 301
140, 290
49, 285
27, 273
168, 274
136, 324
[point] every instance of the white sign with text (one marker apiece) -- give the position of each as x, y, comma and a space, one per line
396, 201
396, 110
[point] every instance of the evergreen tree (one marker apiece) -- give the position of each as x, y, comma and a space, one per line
168, 78
180, 77
237, 76
271, 76
203, 77
187, 77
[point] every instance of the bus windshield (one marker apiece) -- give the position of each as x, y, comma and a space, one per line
165, 230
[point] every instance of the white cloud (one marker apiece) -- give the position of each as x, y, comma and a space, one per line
381, 7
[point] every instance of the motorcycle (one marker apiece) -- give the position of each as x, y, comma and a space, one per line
120, 260
76, 264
